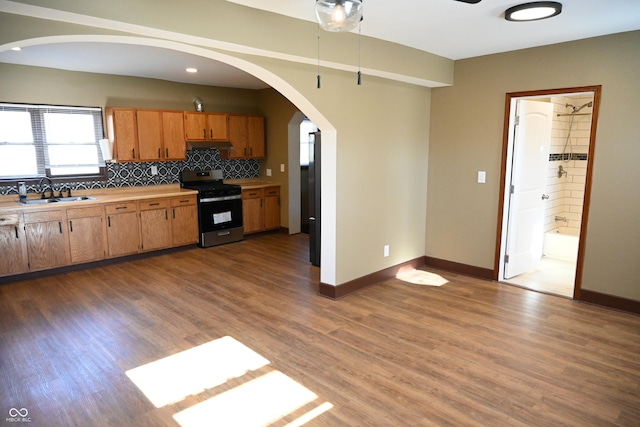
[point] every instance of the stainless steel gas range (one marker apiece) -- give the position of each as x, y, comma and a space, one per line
219, 207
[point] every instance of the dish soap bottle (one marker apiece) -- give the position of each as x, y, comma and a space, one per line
22, 191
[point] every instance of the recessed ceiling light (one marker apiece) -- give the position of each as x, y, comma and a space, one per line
16, 48
192, 70
533, 11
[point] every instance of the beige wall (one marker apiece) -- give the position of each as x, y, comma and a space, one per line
466, 136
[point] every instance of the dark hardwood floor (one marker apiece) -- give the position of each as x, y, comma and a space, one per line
76, 349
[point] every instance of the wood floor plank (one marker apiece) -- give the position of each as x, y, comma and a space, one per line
470, 352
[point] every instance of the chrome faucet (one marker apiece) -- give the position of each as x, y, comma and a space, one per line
42, 190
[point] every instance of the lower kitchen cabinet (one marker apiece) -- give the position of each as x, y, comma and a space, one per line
13, 244
271, 208
184, 220
252, 210
261, 209
47, 240
123, 229
86, 234
155, 228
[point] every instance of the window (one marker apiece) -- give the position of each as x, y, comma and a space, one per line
306, 127
48, 140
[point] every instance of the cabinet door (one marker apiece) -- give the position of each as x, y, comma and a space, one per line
155, 228
195, 126
86, 239
252, 211
123, 232
12, 242
173, 135
218, 127
271, 208
184, 220
255, 136
238, 137
46, 244
149, 135
125, 135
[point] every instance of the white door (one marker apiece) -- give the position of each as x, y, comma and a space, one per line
528, 180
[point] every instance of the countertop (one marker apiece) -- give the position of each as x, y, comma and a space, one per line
251, 183
102, 196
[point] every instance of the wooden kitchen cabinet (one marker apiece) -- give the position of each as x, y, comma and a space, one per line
246, 134
174, 146
149, 124
47, 240
206, 126
184, 220
13, 243
252, 210
271, 208
86, 234
155, 227
122, 131
123, 229
261, 209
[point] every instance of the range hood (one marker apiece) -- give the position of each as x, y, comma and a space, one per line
205, 145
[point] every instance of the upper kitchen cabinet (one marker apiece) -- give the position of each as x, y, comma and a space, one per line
122, 131
246, 134
146, 135
206, 126
173, 135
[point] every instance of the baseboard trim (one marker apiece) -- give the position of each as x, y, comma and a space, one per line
610, 301
456, 267
336, 292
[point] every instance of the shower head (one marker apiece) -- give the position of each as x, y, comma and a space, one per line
576, 109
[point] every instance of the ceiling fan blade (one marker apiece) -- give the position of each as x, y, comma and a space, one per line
470, 1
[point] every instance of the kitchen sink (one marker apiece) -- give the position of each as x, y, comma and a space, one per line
57, 200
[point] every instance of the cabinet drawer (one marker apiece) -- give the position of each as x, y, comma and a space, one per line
43, 216
183, 201
252, 194
9, 219
84, 212
272, 191
146, 205
117, 208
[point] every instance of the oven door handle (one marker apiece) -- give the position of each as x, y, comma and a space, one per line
221, 199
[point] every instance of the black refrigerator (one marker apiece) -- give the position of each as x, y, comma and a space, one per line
314, 198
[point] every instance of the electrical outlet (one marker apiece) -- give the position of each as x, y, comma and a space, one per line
154, 170
281, 167
386, 250
482, 177
268, 172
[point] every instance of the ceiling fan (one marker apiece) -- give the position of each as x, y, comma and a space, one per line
470, 1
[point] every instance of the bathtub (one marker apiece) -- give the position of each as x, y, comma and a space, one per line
562, 243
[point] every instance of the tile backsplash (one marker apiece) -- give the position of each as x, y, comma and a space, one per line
132, 174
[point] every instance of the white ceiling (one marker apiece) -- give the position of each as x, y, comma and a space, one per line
448, 28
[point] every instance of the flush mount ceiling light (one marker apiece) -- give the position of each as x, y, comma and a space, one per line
191, 70
339, 15
533, 11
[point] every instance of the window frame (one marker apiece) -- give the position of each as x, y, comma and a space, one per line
40, 144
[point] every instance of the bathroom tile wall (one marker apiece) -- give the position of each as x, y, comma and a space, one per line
566, 193
139, 173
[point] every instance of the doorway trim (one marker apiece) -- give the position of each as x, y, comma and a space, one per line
510, 97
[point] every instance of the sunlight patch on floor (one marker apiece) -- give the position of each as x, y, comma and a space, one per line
192, 371
256, 402
420, 277
259, 402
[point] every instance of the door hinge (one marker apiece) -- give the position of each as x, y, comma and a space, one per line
517, 120
506, 259
512, 189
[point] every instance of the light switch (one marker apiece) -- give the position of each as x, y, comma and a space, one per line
268, 172
482, 177
281, 167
